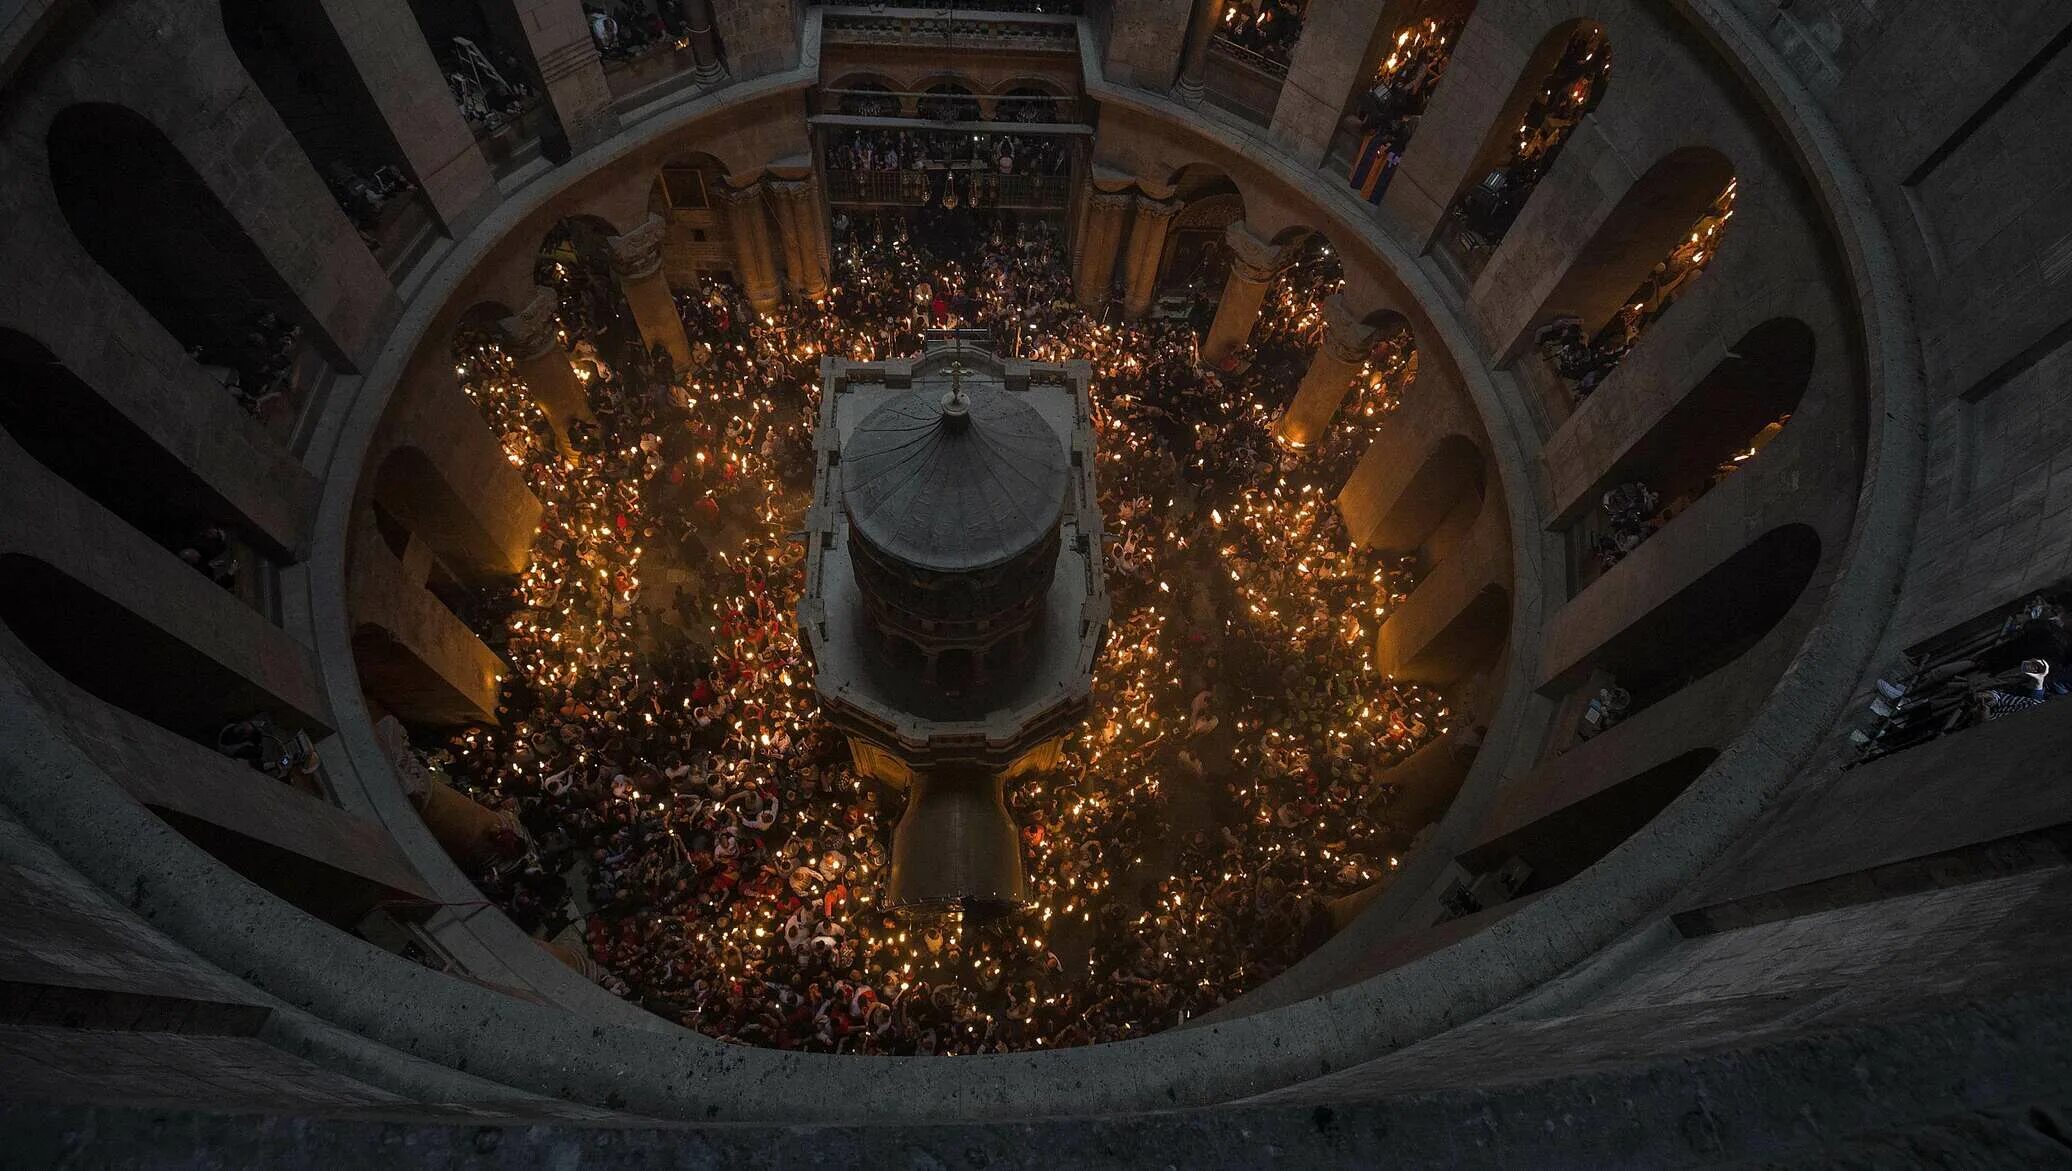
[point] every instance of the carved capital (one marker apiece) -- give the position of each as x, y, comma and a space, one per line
530, 331
791, 190
1108, 202
1251, 257
1345, 338
735, 197
638, 254
1161, 210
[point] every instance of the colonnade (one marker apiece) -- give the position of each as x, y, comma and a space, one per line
1124, 230
800, 240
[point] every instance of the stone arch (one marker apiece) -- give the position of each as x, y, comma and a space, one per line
1403, 66
1030, 99
1048, 87
949, 97
867, 79
687, 181
155, 225
584, 221
1708, 623
66, 425
852, 94
1452, 479
1650, 221
1500, 148
1195, 252
297, 60
126, 659
1726, 418
1563, 842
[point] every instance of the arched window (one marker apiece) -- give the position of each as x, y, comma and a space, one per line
1414, 43
1713, 620
92, 444
1711, 433
482, 51
1028, 104
1663, 233
575, 261
1562, 82
153, 223
864, 98
949, 101
1377, 390
295, 56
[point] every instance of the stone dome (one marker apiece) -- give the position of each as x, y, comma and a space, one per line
949, 493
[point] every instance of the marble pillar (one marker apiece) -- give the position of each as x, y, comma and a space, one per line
1103, 235
1146, 250
637, 261
803, 230
1194, 58
749, 227
543, 365
1337, 362
1253, 265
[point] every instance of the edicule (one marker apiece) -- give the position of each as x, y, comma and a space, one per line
954, 601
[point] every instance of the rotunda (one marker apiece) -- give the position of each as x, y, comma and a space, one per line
1442, 581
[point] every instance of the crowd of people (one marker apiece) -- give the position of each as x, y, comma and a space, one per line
2007, 665
633, 27
947, 169
1267, 28
490, 93
1572, 89
1388, 111
861, 149
694, 820
1583, 360
255, 363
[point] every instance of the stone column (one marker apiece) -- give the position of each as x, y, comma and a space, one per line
544, 365
1103, 235
802, 230
471, 833
704, 45
1344, 350
749, 227
388, 49
1147, 248
1253, 263
637, 259
1194, 59
558, 34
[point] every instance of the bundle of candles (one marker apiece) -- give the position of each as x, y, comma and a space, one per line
694, 820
